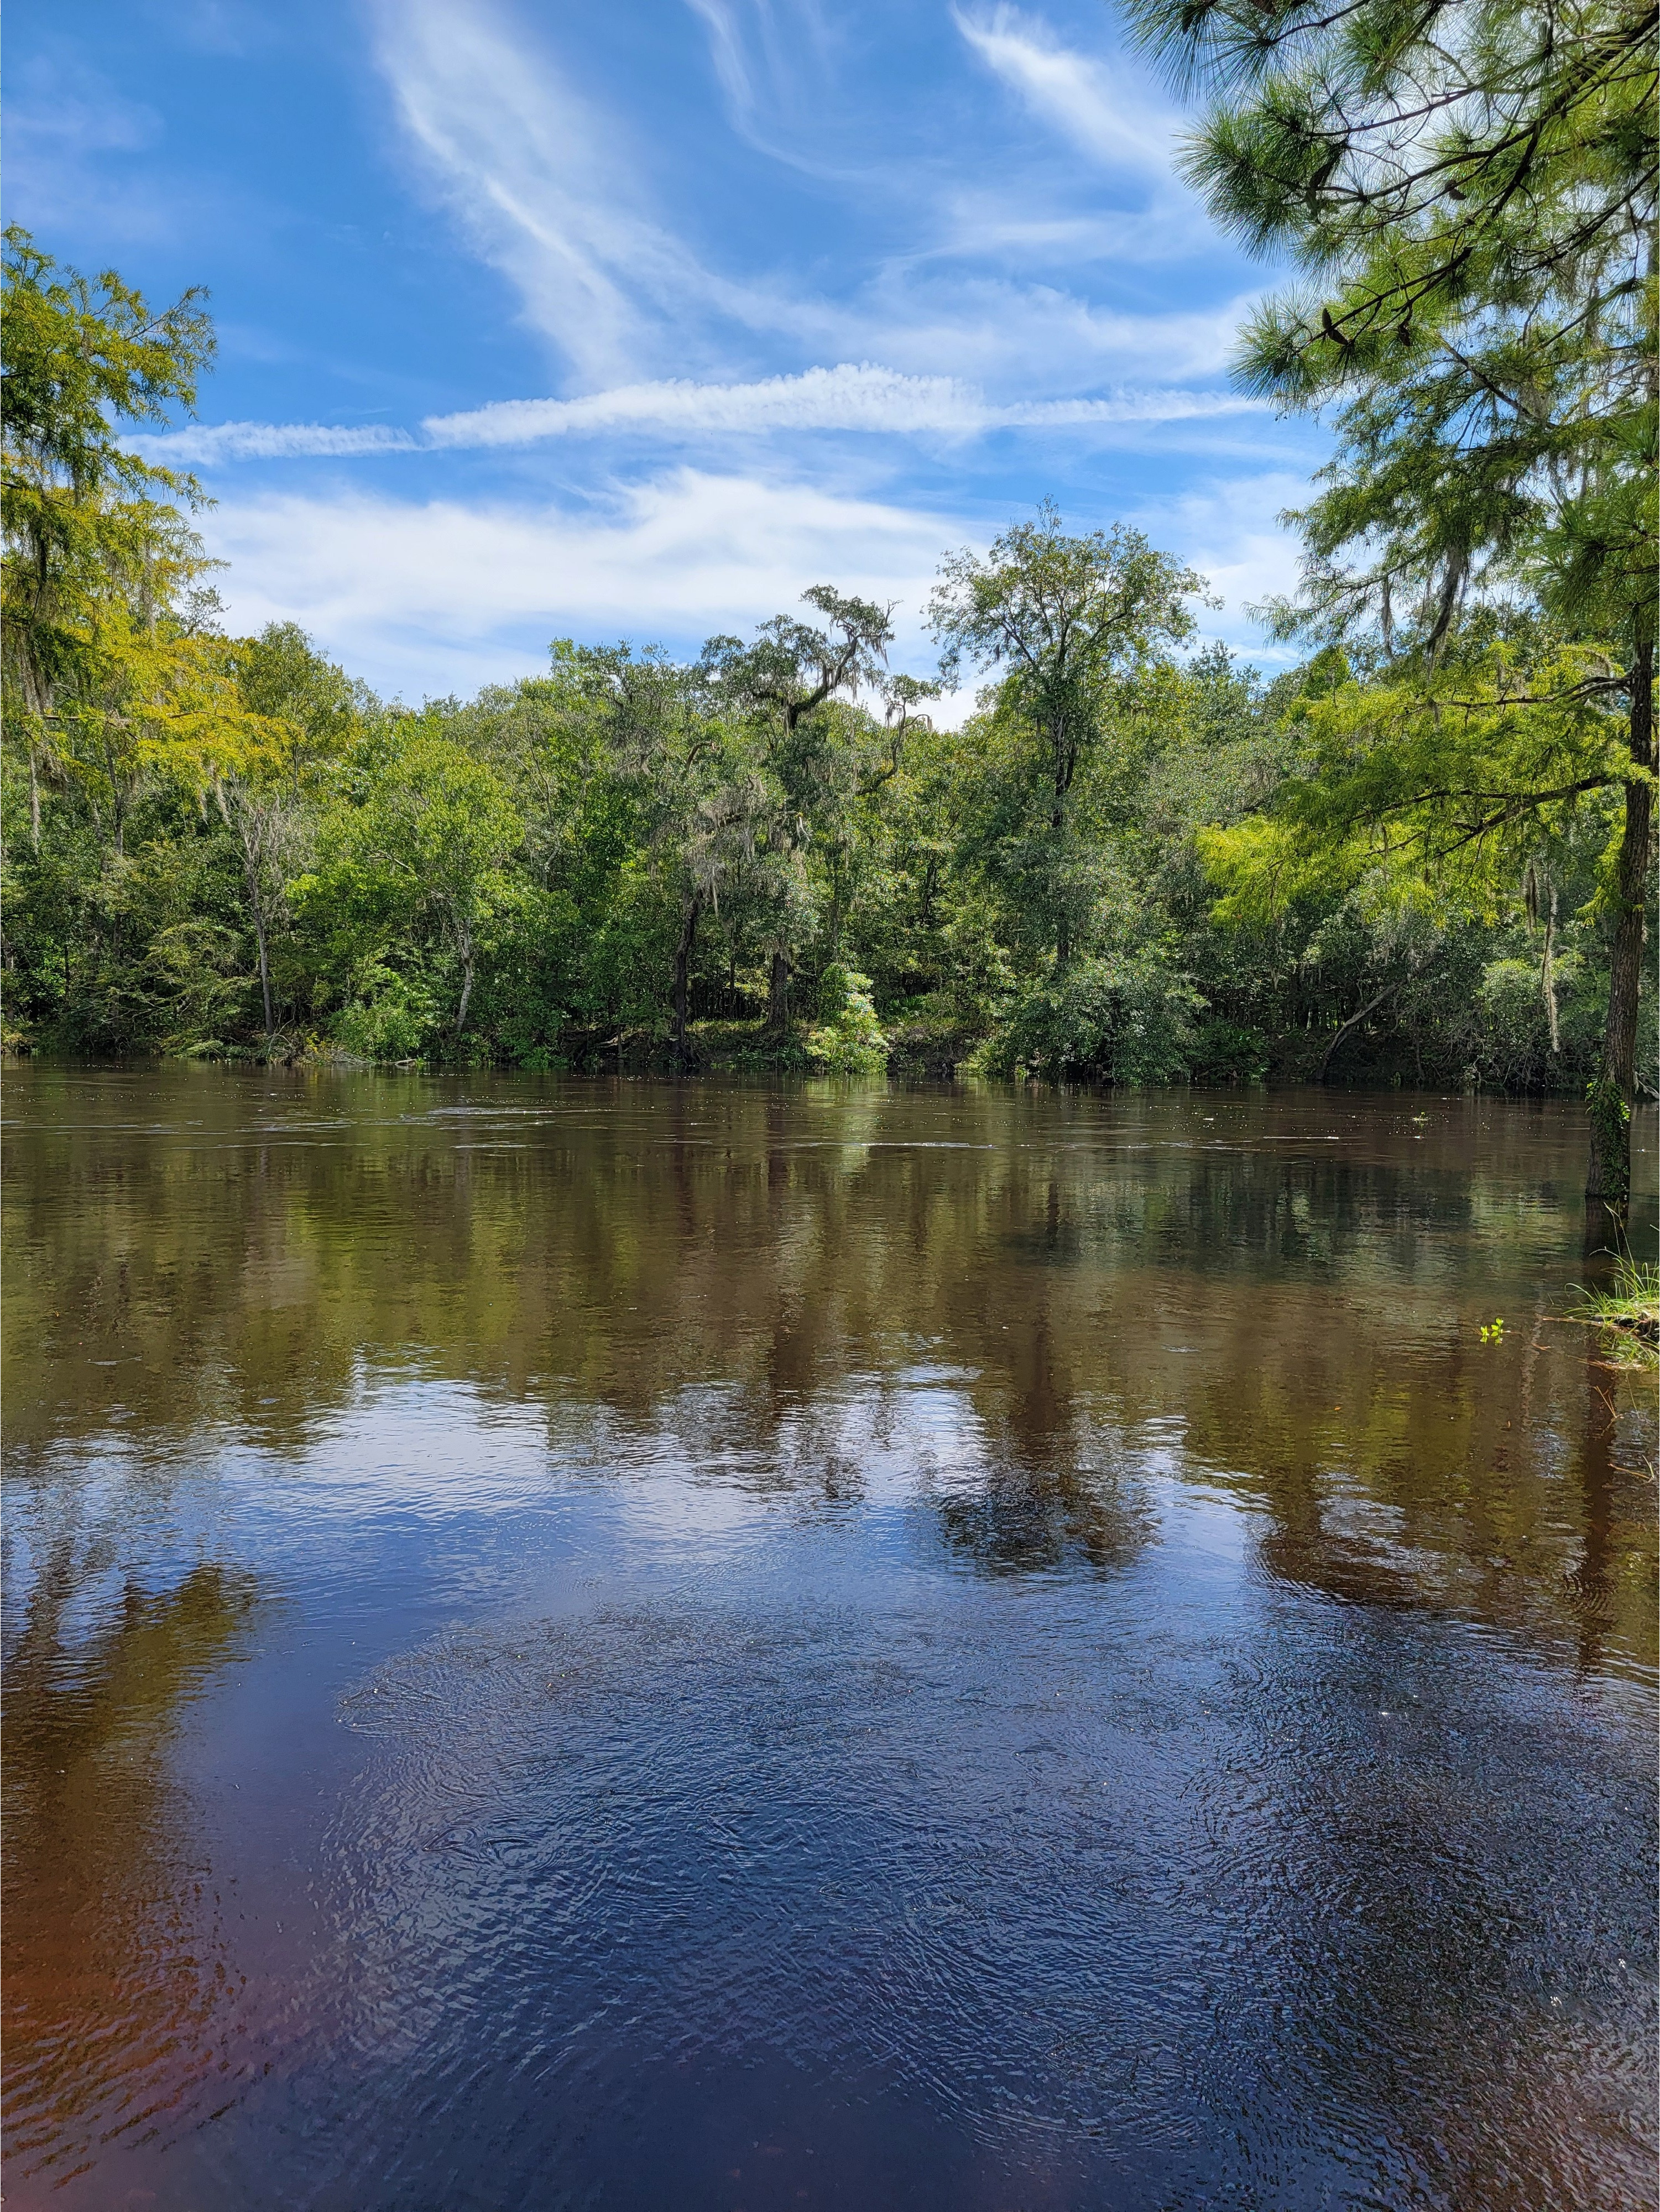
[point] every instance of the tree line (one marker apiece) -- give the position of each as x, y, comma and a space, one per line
1424, 855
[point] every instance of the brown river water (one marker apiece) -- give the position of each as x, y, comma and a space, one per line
580, 1644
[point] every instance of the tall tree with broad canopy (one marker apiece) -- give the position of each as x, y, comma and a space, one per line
785, 679
1469, 187
1070, 620
700, 796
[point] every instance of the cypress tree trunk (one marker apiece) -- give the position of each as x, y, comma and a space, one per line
264, 971
261, 931
1063, 764
1611, 1094
683, 949
778, 987
463, 943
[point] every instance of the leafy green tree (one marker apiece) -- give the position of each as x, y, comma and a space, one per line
96, 615
149, 682
697, 793
789, 681
1081, 627
848, 1039
920, 921
1074, 622
851, 828
1470, 193
580, 956
262, 756
432, 842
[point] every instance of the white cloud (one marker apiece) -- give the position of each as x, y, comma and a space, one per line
68, 129
776, 64
76, 115
441, 595
995, 227
848, 398
554, 193
864, 397
728, 52
1230, 532
758, 47
548, 188
1167, 406
444, 594
1038, 338
1111, 115
201, 444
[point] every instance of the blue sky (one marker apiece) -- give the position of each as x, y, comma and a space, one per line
633, 320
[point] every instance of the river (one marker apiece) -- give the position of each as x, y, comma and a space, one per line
592, 1643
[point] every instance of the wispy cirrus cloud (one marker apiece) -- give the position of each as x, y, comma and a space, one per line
202, 445
73, 114
772, 62
850, 397
549, 189
70, 134
554, 191
1035, 337
847, 397
979, 222
1113, 116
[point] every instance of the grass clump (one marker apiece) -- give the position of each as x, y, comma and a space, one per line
1628, 1313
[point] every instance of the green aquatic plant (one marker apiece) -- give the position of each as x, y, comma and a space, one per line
1492, 1332
1628, 1313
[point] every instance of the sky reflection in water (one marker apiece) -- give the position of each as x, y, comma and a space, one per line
585, 1644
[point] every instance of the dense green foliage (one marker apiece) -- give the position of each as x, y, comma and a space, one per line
1136, 862
1469, 191
554, 872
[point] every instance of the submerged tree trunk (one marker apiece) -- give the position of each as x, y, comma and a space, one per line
682, 951
1611, 1094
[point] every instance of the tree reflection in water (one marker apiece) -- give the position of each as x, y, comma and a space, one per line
115, 1996
1274, 1296
1001, 1520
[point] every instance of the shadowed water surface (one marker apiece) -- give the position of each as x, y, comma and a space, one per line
574, 1645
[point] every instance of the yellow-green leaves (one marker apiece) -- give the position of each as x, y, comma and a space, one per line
82, 519
1437, 783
